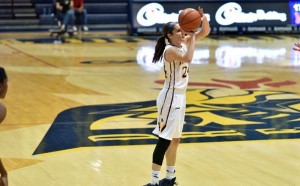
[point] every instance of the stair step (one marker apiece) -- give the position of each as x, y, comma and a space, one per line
14, 22
6, 16
6, 1
8, 5
24, 11
5, 5
5, 11
22, 1
91, 27
25, 15
22, 4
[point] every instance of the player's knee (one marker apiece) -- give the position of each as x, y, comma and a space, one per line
160, 150
176, 141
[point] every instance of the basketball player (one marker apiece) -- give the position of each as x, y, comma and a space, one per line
3, 90
175, 48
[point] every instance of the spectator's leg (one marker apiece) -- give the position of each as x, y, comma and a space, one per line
84, 20
78, 20
68, 19
60, 16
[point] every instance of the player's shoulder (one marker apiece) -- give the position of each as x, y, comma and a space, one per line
184, 46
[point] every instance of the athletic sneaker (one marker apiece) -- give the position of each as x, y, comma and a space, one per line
149, 184
167, 182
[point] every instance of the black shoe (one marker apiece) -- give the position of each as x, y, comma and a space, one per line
149, 184
167, 182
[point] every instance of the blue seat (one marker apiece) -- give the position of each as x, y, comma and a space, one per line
41, 9
107, 18
102, 8
43, 1
98, 13
47, 20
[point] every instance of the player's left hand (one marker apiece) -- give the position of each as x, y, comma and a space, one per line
297, 47
201, 12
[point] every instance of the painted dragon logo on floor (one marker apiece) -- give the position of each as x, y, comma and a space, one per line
212, 115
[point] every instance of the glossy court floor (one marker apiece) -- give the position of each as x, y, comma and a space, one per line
82, 112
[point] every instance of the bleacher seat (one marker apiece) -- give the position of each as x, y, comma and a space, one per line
42, 9
102, 14
103, 8
98, 13
107, 18
43, 1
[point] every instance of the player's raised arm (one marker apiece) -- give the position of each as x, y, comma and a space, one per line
203, 31
205, 27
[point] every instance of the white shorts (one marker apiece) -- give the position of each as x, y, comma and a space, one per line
171, 107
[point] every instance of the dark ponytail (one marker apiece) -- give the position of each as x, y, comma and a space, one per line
161, 42
159, 49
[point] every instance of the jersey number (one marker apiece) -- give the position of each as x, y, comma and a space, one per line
185, 72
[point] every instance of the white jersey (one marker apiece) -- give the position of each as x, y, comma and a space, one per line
176, 72
171, 101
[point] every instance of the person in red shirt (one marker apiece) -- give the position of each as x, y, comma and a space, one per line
80, 14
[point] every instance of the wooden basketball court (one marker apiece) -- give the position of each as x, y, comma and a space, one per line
82, 112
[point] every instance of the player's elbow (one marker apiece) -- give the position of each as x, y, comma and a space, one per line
186, 58
206, 31
189, 60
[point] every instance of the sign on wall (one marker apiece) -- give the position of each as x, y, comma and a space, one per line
239, 16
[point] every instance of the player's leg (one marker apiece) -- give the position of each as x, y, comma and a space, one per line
157, 159
171, 153
164, 101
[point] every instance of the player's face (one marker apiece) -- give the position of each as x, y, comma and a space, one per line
178, 33
3, 88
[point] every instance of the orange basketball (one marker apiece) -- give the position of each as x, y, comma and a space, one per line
189, 19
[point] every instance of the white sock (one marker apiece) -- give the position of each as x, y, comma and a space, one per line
170, 172
155, 177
